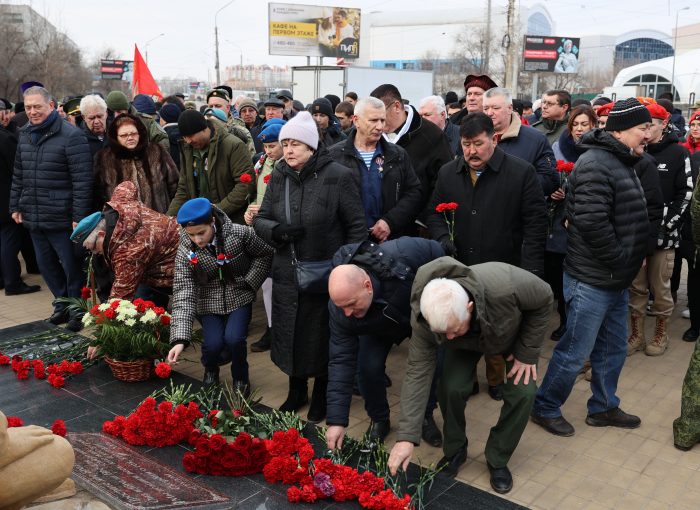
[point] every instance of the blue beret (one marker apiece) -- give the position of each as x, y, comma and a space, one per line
216, 112
85, 227
195, 212
271, 131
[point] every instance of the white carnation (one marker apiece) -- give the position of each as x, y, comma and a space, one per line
130, 322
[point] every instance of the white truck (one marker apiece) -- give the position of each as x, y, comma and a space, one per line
311, 82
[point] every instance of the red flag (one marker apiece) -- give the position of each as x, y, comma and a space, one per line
143, 82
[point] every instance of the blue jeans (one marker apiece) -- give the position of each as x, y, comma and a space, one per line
225, 338
60, 263
596, 329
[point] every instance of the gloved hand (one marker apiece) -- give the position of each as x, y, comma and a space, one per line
448, 246
287, 233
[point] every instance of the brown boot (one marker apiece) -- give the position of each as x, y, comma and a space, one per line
636, 341
659, 343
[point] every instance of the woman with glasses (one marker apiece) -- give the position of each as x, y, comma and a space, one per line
129, 156
692, 142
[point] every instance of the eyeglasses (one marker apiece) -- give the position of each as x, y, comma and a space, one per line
125, 136
549, 103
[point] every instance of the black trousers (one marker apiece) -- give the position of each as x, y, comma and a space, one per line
554, 276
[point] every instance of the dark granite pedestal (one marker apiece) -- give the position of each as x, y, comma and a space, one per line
121, 474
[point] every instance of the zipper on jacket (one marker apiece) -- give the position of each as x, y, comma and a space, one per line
385, 315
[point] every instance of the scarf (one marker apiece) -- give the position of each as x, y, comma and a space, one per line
39, 130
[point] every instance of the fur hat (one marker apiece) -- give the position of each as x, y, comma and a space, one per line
302, 128
482, 81
626, 114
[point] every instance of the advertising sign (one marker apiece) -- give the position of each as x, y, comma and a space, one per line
314, 31
117, 69
550, 54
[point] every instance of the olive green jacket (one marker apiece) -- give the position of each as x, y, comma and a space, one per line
512, 309
227, 160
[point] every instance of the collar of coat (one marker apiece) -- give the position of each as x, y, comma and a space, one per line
493, 164
513, 129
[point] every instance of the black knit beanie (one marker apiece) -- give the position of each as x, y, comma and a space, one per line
191, 122
626, 114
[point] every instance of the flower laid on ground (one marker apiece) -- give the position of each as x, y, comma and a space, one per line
163, 370
59, 428
154, 424
56, 372
448, 208
215, 455
14, 421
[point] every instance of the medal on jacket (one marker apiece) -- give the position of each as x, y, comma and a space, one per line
193, 258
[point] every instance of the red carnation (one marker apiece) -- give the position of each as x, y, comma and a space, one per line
85, 293
56, 381
163, 370
246, 178
14, 421
221, 256
165, 320
76, 368
4, 360
110, 313
158, 310
114, 304
59, 428
266, 179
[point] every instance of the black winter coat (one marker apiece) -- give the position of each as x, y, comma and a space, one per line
429, 150
325, 200
648, 176
175, 140
52, 181
687, 247
392, 266
607, 215
501, 219
94, 141
8, 148
402, 200
673, 163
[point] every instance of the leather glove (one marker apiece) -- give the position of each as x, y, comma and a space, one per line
287, 233
449, 247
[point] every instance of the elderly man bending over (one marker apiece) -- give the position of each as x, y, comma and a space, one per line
491, 308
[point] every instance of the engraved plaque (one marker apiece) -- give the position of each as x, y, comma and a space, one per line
130, 480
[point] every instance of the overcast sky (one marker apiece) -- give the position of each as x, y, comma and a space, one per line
187, 48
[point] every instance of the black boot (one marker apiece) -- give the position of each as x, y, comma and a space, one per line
264, 343
298, 395
317, 409
211, 376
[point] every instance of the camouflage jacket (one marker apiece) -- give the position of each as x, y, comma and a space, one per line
142, 246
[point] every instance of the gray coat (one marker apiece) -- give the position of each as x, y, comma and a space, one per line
512, 309
325, 200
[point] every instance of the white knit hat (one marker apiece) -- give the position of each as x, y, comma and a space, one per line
301, 127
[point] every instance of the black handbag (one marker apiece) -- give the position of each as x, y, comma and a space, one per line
311, 275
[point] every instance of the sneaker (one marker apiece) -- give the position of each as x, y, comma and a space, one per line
685, 314
613, 418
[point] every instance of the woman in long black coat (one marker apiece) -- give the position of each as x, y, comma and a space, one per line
326, 212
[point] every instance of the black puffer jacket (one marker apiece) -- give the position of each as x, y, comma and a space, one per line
649, 178
401, 189
8, 148
392, 266
607, 217
325, 201
52, 182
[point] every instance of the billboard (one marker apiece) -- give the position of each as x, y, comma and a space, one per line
117, 69
314, 31
550, 54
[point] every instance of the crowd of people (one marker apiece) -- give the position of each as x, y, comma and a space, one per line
453, 226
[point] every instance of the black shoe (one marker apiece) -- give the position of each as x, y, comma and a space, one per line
23, 288
558, 333
378, 430
264, 343
317, 409
59, 317
430, 432
496, 392
557, 426
449, 466
475, 388
242, 387
613, 418
690, 335
75, 324
501, 479
211, 376
297, 397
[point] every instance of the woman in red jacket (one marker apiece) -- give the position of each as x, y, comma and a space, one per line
692, 143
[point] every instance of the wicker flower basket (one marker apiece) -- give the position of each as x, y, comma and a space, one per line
130, 371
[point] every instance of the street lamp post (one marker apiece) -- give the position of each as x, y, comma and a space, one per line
673, 67
149, 42
216, 42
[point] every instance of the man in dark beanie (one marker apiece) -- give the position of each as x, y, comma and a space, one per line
328, 124
608, 231
211, 165
169, 114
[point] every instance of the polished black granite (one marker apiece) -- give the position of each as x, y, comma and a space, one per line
94, 396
